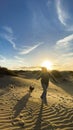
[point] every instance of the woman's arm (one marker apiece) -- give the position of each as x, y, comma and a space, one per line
38, 76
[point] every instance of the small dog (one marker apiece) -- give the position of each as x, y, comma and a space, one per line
31, 88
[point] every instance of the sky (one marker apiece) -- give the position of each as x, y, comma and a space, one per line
32, 31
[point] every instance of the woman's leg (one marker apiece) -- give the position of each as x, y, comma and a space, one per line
44, 86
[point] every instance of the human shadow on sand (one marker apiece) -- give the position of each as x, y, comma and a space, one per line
40, 122
21, 104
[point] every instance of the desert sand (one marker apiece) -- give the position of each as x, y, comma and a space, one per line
22, 110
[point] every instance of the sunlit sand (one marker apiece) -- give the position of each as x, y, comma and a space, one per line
20, 109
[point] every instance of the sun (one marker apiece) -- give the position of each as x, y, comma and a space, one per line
47, 64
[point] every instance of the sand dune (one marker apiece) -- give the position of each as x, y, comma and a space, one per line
22, 110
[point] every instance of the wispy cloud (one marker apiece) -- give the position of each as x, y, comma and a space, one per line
64, 61
8, 29
20, 59
70, 54
70, 28
49, 2
62, 14
2, 58
65, 42
8, 36
10, 39
27, 50
11, 63
64, 52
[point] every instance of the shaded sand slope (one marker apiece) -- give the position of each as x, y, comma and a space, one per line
64, 80
20, 110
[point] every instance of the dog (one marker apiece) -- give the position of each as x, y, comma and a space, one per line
31, 88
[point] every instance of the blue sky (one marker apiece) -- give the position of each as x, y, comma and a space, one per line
32, 31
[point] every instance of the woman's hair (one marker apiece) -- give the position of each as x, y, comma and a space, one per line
44, 69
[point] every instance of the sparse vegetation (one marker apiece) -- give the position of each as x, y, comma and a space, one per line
5, 71
56, 73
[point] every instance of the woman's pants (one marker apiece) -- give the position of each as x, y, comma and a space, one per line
44, 86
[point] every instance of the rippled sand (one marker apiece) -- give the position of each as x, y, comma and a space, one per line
22, 110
